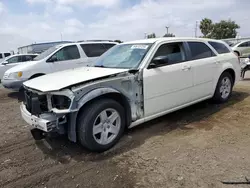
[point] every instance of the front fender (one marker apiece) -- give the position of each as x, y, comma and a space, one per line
95, 93
87, 97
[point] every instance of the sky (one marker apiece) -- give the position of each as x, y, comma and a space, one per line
23, 22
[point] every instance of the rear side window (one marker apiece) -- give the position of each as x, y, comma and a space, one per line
6, 54
93, 50
200, 50
28, 57
245, 44
219, 47
107, 46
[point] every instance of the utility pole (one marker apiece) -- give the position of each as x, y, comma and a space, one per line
196, 28
145, 35
167, 29
61, 37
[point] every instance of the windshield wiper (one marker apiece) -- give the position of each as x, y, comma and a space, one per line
100, 66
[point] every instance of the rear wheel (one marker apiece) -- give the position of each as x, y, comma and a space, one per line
101, 125
224, 88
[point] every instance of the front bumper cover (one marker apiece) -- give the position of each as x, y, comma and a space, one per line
46, 122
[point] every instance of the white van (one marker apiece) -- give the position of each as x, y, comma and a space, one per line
14, 60
56, 58
4, 55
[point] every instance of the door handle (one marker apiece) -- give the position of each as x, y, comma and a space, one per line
186, 68
217, 62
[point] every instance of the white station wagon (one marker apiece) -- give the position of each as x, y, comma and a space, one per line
132, 83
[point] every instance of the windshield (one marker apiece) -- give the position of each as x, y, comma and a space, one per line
46, 53
124, 56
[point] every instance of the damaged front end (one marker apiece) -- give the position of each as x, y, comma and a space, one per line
57, 111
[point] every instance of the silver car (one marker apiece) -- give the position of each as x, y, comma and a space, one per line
242, 48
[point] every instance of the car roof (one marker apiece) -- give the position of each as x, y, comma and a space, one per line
20, 55
165, 39
87, 42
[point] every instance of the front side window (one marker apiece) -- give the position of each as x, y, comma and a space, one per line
244, 44
67, 53
219, 47
200, 50
93, 50
126, 56
172, 51
14, 59
1, 56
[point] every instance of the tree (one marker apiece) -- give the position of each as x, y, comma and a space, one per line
206, 27
225, 29
151, 36
169, 35
221, 30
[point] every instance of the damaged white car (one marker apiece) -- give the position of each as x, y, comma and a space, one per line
132, 83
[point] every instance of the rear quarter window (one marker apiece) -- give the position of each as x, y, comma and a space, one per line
219, 47
200, 50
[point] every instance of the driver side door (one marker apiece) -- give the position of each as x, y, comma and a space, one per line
169, 85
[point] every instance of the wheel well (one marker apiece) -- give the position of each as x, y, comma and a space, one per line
118, 98
238, 53
36, 75
232, 73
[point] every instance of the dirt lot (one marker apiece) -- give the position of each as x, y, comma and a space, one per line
195, 147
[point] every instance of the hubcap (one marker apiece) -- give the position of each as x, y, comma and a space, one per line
106, 126
225, 87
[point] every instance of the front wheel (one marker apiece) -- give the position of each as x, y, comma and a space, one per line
101, 125
224, 88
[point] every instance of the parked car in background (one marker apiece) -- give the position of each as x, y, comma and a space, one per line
242, 49
14, 60
4, 55
56, 58
132, 83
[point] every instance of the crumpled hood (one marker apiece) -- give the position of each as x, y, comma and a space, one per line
62, 79
21, 67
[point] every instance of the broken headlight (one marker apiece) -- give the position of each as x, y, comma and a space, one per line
60, 102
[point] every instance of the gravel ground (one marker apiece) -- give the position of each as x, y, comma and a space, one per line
199, 146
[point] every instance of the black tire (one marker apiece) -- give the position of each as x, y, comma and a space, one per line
217, 95
86, 120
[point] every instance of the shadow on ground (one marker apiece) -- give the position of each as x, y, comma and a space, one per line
63, 150
17, 95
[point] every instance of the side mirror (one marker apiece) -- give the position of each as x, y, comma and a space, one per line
4, 62
52, 59
159, 61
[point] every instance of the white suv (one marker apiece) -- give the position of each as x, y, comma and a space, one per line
56, 58
132, 83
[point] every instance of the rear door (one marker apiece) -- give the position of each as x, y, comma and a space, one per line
66, 58
204, 63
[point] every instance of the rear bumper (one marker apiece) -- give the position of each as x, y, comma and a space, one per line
46, 123
12, 84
